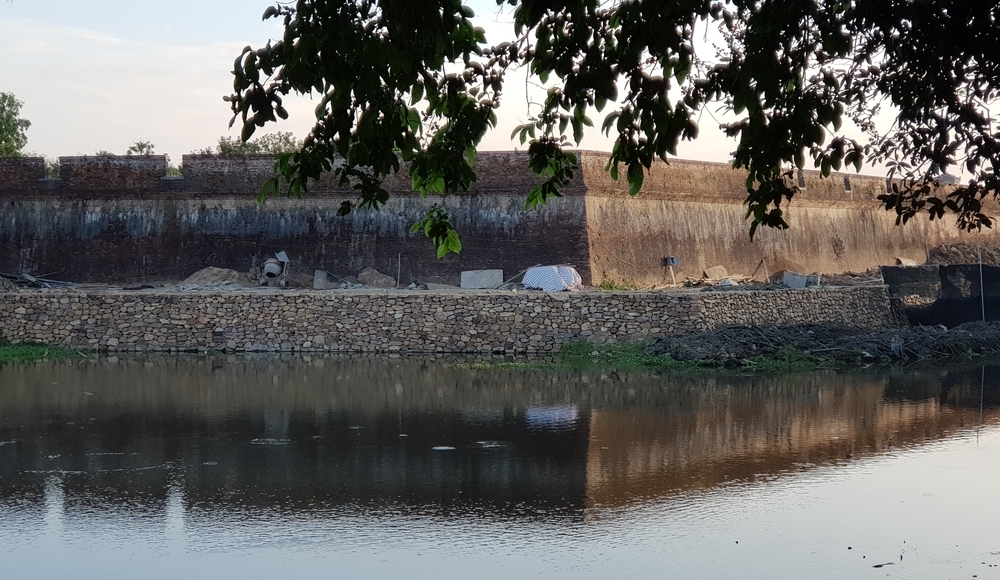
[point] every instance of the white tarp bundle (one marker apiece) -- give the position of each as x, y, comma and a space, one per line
553, 278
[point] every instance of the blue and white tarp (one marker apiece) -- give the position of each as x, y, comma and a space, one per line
553, 278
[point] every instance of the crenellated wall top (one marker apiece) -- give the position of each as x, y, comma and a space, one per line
499, 173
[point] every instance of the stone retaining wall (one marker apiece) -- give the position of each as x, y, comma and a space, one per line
402, 321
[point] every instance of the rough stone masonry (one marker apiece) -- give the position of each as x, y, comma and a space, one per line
409, 322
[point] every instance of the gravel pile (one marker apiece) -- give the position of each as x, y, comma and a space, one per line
964, 254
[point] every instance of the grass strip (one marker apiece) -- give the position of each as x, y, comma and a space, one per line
32, 352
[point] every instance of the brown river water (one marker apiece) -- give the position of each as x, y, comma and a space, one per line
355, 467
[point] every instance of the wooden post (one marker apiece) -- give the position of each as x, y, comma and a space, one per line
672, 277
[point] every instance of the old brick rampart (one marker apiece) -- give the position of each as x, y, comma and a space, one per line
119, 219
401, 321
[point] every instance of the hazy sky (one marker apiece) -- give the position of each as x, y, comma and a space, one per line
102, 74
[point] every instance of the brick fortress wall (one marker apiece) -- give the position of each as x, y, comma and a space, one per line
118, 219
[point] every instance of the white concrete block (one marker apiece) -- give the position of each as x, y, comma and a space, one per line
482, 279
796, 280
320, 280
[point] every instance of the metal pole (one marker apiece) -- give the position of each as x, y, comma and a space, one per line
982, 295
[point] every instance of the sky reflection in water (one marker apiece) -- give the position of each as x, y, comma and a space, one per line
410, 468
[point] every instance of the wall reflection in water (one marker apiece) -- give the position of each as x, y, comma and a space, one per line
215, 437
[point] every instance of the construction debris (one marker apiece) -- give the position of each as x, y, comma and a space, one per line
212, 277
28, 281
715, 273
833, 341
727, 281
375, 279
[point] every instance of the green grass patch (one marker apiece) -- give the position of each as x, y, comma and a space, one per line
789, 359
613, 286
30, 352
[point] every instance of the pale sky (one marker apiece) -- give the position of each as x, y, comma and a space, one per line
101, 74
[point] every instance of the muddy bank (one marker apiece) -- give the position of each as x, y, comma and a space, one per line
836, 343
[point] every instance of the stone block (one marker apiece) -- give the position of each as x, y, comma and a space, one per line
796, 280
482, 279
375, 279
716, 272
320, 280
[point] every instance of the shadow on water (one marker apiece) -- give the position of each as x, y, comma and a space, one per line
412, 435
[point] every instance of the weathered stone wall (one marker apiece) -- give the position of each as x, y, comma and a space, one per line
139, 173
117, 219
137, 240
694, 210
21, 173
409, 321
828, 238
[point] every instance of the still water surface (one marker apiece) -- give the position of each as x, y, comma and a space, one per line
412, 468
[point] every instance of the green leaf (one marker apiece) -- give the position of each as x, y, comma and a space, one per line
739, 102
453, 243
635, 178
681, 74
577, 130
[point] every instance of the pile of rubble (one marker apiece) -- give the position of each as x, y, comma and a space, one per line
216, 279
964, 254
833, 341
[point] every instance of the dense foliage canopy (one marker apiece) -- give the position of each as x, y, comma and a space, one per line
417, 81
12, 126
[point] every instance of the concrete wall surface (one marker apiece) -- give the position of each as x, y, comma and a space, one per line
400, 321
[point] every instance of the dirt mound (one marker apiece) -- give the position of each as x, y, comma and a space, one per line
964, 254
837, 342
213, 276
